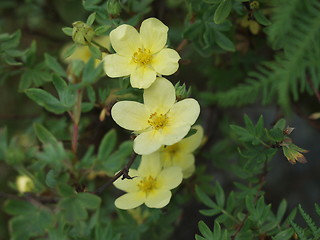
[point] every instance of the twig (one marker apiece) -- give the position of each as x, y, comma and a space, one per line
314, 89
124, 173
182, 45
76, 119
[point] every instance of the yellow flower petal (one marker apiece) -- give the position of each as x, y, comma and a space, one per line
150, 165
147, 142
125, 40
130, 200
142, 76
130, 115
174, 133
128, 185
158, 199
170, 177
159, 101
185, 111
117, 66
190, 144
153, 34
166, 61
189, 171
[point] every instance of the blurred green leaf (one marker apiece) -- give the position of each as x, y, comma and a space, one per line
222, 11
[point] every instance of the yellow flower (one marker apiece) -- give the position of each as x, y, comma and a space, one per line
142, 56
151, 184
180, 154
160, 120
24, 184
83, 53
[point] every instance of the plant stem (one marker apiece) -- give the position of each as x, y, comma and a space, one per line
124, 173
76, 119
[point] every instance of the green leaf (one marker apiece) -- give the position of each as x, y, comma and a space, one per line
107, 145
102, 29
91, 18
258, 15
68, 31
69, 51
205, 230
219, 195
53, 64
46, 100
51, 180
44, 135
224, 42
89, 201
205, 199
222, 11
91, 94
210, 212
66, 95
284, 235
96, 53
281, 210
216, 231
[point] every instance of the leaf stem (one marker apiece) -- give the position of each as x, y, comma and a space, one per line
76, 119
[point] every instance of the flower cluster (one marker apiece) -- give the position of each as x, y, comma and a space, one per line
160, 123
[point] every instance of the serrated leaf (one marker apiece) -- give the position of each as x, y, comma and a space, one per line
222, 11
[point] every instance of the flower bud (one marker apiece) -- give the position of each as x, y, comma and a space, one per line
82, 33
113, 7
24, 184
181, 91
254, 5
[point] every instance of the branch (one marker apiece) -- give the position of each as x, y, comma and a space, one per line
316, 92
124, 173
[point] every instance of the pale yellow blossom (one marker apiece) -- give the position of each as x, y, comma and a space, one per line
160, 120
181, 153
83, 53
141, 55
151, 184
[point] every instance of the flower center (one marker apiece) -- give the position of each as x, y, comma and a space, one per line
157, 121
147, 184
142, 56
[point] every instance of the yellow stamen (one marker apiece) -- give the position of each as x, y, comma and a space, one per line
142, 57
157, 121
147, 184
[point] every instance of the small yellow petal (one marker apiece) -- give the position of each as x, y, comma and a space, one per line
160, 96
147, 142
128, 185
130, 200
166, 61
153, 34
125, 40
158, 199
174, 133
117, 66
170, 178
142, 76
130, 115
185, 111
150, 165
189, 171
190, 144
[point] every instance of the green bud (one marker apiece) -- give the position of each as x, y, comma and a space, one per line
82, 33
113, 7
181, 91
254, 5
